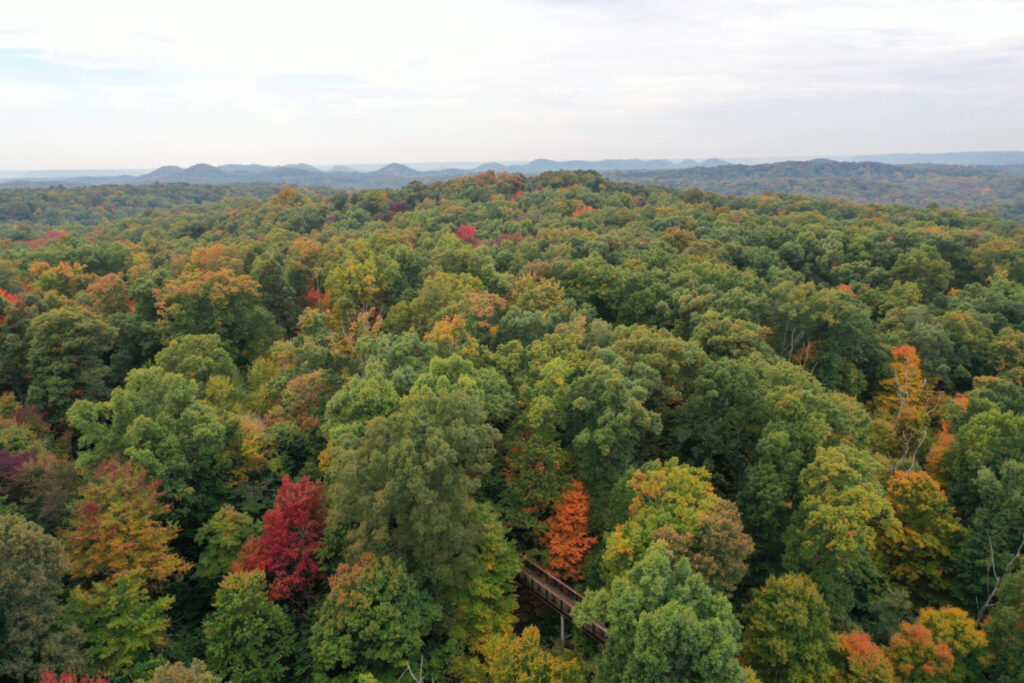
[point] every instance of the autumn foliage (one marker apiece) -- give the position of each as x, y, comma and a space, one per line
292, 534
511, 657
466, 233
917, 656
632, 384
908, 404
66, 677
921, 548
566, 539
865, 660
116, 526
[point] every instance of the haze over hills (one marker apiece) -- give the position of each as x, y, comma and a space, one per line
997, 185
956, 158
968, 187
301, 172
390, 175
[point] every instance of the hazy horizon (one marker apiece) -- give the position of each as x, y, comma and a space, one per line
462, 165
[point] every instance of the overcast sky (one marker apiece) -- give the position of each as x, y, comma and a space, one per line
129, 84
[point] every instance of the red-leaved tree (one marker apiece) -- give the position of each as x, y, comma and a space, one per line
466, 233
286, 550
51, 677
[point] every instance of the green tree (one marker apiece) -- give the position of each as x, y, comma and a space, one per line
677, 503
123, 627
607, 415
362, 398
786, 635
511, 658
196, 672
218, 302
221, 537
157, 422
32, 569
16, 317
198, 357
485, 604
675, 364
405, 486
66, 349
373, 620
924, 265
987, 439
248, 638
664, 624
920, 551
992, 544
723, 335
137, 343
832, 537
826, 331
755, 424
1005, 629
276, 292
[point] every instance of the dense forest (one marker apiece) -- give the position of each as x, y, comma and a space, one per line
996, 189
968, 187
23, 211
317, 436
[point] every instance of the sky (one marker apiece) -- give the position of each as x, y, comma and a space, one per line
127, 84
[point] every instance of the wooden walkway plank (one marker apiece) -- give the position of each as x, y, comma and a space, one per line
558, 595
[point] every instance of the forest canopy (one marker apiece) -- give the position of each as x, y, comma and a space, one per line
316, 436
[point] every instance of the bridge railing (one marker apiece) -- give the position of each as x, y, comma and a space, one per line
558, 595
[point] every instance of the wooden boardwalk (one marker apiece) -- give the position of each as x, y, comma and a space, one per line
559, 595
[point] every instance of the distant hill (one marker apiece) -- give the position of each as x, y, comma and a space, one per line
968, 187
946, 158
996, 187
304, 167
397, 169
392, 175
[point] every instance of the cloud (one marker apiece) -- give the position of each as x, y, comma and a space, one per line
22, 96
623, 73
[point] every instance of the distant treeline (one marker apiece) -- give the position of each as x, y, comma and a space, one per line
55, 206
996, 189
966, 187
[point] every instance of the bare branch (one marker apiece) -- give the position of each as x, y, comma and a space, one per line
998, 578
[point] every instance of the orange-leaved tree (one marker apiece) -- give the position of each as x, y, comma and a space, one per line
920, 551
116, 527
955, 628
917, 656
906, 410
864, 659
566, 539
